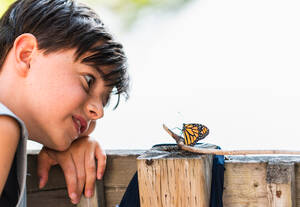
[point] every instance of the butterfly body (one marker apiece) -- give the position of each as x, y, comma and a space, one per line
193, 133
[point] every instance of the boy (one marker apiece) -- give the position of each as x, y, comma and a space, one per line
58, 67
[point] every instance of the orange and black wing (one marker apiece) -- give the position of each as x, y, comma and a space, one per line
193, 133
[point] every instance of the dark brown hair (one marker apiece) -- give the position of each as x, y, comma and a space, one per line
66, 24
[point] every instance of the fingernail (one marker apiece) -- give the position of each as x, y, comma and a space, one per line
40, 183
73, 196
99, 176
74, 201
89, 193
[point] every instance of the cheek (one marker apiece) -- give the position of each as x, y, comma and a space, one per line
65, 100
59, 95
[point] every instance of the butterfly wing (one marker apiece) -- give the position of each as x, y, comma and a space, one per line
193, 133
190, 133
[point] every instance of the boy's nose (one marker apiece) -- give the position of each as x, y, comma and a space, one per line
95, 111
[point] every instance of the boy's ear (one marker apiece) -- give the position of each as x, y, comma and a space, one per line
24, 47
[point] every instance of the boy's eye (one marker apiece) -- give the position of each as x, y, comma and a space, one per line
89, 80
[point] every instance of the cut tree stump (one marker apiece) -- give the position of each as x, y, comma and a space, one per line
170, 177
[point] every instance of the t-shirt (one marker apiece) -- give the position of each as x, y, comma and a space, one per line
14, 191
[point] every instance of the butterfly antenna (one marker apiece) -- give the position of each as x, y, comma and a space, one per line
177, 128
172, 134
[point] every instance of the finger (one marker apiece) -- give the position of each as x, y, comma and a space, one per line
44, 164
70, 173
43, 168
101, 162
79, 164
90, 172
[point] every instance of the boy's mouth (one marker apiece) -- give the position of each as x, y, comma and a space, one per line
79, 123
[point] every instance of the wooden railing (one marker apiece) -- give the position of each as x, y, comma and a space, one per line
260, 181
121, 166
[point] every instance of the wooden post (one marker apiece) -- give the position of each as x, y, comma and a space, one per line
169, 177
89, 202
281, 184
97, 200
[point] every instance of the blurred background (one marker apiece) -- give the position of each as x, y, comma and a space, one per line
231, 65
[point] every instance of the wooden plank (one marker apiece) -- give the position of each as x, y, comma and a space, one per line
89, 202
249, 181
57, 198
127, 159
114, 195
245, 180
245, 185
281, 184
56, 178
98, 198
119, 171
100, 193
297, 183
121, 166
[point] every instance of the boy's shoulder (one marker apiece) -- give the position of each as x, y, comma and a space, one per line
10, 118
9, 124
4, 110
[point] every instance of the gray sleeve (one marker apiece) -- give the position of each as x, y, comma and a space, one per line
21, 155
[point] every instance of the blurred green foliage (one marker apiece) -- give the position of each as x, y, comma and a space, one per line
4, 5
127, 10
137, 5
130, 10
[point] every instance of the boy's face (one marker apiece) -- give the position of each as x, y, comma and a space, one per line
62, 97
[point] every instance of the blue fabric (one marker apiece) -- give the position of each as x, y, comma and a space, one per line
217, 181
10, 193
131, 197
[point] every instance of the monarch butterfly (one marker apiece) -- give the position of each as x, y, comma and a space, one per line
193, 133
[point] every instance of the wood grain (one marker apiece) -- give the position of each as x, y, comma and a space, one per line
57, 198
89, 202
281, 184
245, 181
170, 181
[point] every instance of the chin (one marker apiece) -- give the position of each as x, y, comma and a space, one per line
62, 146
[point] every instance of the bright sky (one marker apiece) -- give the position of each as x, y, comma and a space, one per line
229, 64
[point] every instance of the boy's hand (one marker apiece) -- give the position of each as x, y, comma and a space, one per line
78, 165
